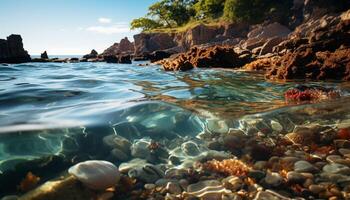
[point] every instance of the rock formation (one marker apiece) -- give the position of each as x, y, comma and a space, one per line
123, 47
92, 54
215, 56
44, 55
12, 51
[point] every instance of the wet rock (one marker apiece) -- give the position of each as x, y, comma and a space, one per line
190, 148
301, 136
111, 59
210, 189
335, 168
132, 164
140, 149
148, 173
273, 179
295, 177
232, 183
340, 143
124, 59
173, 188
119, 155
256, 174
316, 189
149, 186
68, 188
304, 166
96, 174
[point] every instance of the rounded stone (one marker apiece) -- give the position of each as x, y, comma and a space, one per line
304, 166
190, 148
273, 179
96, 174
335, 168
173, 188
149, 186
316, 188
295, 177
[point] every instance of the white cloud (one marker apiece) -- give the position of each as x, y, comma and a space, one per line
104, 20
112, 29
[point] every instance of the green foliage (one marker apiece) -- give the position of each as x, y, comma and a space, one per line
211, 9
144, 24
167, 14
254, 11
172, 14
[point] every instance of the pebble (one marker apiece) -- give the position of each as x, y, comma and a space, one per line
173, 188
276, 126
148, 173
190, 148
119, 155
295, 177
335, 168
150, 186
316, 189
233, 183
304, 166
342, 143
96, 174
256, 174
344, 152
273, 179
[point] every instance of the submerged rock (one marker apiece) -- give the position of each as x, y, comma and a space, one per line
96, 174
68, 189
148, 173
211, 189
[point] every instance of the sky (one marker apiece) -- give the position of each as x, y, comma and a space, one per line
69, 27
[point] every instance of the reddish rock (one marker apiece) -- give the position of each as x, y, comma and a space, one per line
211, 57
305, 93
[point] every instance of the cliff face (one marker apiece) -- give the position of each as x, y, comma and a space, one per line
146, 43
12, 51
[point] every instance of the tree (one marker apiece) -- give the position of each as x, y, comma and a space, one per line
255, 11
211, 9
145, 24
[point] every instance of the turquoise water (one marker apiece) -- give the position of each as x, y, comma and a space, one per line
58, 114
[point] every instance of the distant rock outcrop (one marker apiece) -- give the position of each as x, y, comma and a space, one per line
44, 55
92, 54
12, 51
123, 47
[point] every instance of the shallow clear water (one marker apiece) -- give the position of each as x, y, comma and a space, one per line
67, 109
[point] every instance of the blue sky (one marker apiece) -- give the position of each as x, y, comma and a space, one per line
69, 27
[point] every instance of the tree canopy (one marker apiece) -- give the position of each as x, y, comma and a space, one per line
177, 13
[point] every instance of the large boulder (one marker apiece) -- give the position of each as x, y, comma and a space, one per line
12, 51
